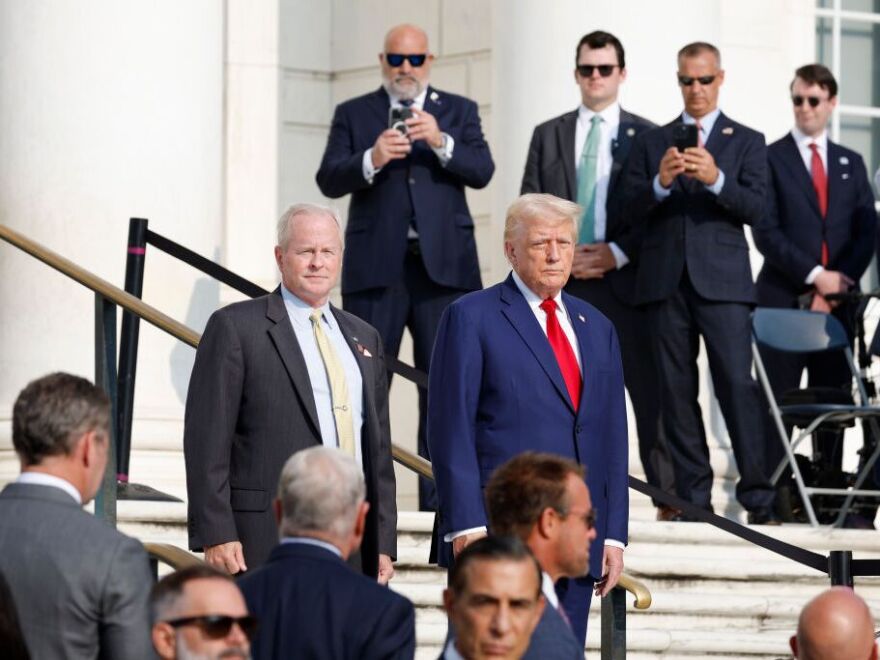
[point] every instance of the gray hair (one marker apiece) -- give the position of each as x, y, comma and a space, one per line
535, 205
305, 208
320, 490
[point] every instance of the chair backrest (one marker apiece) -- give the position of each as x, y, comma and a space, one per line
797, 330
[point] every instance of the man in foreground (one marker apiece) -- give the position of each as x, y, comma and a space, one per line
309, 602
80, 587
835, 625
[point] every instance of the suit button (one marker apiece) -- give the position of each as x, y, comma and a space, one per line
578, 428
412, 181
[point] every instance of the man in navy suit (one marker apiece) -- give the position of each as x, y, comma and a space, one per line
817, 237
542, 499
694, 276
524, 366
309, 602
410, 247
580, 156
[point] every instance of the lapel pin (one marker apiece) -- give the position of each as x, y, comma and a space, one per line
844, 176
581, 317
630, 131
434, 97
844, 160
727, 130
363, 350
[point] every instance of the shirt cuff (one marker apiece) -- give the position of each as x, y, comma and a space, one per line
716, 187
615, 544
444, 151
620, 258
813, 274
454, 535
367, 166
660, 193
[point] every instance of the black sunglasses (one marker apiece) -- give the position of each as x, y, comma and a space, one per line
798, 100
605, 70
687, 81
396, 59
217, 625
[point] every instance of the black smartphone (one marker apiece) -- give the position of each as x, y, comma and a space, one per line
397, 119
684, 136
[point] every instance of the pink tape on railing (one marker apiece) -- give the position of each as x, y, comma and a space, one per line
137, 250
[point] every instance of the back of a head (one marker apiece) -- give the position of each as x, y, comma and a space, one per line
52, 412
321, 490
835, 625
165, 598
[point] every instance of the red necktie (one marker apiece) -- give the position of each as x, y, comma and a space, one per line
568, 365
820, 183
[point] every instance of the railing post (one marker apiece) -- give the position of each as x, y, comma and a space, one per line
105, 378
128, 342
840, 568
614, 625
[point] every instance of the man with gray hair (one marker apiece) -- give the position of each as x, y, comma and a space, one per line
276, 375
309, 602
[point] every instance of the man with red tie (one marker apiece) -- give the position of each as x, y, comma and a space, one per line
817, 237
524, 366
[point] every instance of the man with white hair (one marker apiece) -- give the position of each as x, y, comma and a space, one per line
309, 602
276, 375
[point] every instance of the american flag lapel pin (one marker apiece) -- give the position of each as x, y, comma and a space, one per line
363, 350
727, 130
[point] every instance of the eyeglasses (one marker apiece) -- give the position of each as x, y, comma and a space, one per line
798, 100
216, 626
589, 517
687, 81
396, 59
605, 70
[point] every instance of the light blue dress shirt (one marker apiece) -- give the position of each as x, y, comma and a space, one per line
707, 123
299, 312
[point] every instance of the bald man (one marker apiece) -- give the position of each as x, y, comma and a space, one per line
835, 625
410, 247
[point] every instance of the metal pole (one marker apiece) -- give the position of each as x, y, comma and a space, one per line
128, 341
840, 568
105, 378
614, 625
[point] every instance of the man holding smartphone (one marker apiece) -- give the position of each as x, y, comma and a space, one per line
689, 207
405, 153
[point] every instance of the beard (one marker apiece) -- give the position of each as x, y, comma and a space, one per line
236, 653
404, 87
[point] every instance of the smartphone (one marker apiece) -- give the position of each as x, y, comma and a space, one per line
684, 136
397, 119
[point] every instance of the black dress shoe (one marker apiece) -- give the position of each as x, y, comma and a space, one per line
763, 517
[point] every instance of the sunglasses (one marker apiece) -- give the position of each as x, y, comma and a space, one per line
605, 70
216, 626
396, 59
798, 100
589, 517
687, 81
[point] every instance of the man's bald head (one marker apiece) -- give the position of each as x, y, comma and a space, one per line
835, 625
405, 31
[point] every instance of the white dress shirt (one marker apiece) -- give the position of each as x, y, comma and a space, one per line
608, 128
43, 479
298, 312
803, 142
549, 590
707, 123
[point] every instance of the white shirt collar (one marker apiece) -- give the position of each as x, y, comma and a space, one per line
610, 115
299, 310
531, 297
307, 540
418, 101
707, 121
549, 590
43, 479
803, 141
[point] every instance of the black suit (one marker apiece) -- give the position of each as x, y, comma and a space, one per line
312, 606
790, 236
250, 407
695, 278
550, 168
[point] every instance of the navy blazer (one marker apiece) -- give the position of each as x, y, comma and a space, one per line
693, 226
552, 639
418, 186
790, 233
496, 390
312, 605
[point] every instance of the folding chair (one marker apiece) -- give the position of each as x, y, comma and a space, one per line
801, 331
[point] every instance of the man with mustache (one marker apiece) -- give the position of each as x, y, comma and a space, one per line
410, 236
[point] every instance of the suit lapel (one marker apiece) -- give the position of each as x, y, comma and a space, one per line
723, 133
289, 351
365, 364
523, 320
379, 103
620, 148
836, 171
565, 134
795, 164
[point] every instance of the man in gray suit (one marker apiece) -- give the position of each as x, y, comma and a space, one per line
80, 587
543, 500
275, 375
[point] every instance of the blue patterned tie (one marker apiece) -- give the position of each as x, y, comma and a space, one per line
586, 196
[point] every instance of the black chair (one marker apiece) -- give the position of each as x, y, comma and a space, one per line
813, 409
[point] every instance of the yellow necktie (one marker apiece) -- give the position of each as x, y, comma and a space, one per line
338, 387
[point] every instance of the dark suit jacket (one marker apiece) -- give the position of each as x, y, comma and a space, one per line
250, 407
552, 639
693, 226
312, 606
496, 390
418, 186
550, 168
80, 587
790, 232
